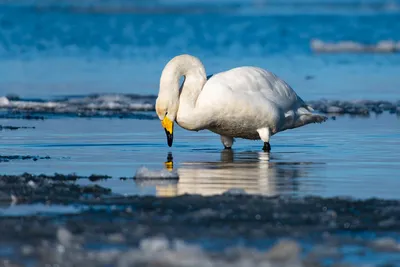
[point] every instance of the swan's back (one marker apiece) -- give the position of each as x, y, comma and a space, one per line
256, 82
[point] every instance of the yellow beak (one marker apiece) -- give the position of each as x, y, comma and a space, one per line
168, 127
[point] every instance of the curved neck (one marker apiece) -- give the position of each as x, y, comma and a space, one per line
194, 75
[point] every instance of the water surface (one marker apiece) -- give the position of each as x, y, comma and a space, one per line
348, 156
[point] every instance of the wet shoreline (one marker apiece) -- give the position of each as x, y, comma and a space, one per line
142, 107
147, 231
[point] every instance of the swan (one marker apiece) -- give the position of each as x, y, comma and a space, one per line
243, 102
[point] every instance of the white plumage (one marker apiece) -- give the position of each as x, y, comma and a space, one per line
244, 102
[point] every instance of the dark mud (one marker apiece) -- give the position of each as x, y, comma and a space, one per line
272, 215
231, 229
13, 128
7, 158
224, 230
58, 188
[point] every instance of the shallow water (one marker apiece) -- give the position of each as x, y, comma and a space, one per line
348, 156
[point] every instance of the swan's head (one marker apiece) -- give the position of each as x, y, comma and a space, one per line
167, 108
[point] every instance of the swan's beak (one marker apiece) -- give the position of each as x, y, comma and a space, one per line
168, 127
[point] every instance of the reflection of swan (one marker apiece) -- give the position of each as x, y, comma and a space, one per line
251, 171
244, 102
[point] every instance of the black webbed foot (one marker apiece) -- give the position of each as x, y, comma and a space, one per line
267, 147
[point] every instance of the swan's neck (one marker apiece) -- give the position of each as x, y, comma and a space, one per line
194, 79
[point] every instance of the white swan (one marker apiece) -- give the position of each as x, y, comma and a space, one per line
244, 102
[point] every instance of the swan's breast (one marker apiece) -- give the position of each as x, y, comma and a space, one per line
236, 129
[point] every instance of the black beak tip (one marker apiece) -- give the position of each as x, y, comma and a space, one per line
170, 138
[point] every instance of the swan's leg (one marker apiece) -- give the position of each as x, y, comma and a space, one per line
265, 134
267, 147
227, 141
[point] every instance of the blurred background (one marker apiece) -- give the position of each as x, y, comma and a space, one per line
335, 49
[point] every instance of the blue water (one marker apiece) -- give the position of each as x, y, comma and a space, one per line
346, 157
58, 50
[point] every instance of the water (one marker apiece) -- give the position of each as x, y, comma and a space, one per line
55, 51
58, 61
316, 159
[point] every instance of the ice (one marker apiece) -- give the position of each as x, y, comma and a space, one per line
285, 251
32, 184
159, 251
386, 244
108, 102
4, 102
27, 250
154, 245
145, 173
384, 46
64, 237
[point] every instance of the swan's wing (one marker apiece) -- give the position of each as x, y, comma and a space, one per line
250, 98
255, 82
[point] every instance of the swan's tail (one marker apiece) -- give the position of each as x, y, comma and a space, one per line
305, 116
302, 116
310, 118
